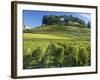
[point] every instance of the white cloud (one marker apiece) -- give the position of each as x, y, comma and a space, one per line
86, 15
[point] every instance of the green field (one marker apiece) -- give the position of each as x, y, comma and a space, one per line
56, 46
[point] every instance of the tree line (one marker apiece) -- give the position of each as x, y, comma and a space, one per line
64, 20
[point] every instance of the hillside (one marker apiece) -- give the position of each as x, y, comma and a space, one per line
56, 46
61, 31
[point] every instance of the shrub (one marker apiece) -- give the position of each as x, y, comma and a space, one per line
58, 55
83, 56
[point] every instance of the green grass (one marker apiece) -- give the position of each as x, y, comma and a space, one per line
44, 36
44, 42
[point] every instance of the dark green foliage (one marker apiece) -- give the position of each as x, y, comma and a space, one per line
63, 20
89, 24
55, 54
50, 19
83, 56
27, 61
45, 20
58, 55
71, 56
33, 60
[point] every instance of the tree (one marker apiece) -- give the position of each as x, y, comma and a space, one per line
89, 24
45, 20
24, 26
63, 20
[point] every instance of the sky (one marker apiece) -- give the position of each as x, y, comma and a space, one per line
33, 18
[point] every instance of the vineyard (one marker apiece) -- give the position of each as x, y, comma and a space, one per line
56, 46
